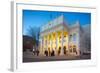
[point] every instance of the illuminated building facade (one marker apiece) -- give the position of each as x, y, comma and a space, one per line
61, 39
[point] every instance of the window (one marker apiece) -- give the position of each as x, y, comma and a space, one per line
74, 37
70, 37
74, 48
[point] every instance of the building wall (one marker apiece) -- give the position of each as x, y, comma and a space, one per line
74, 39
60, 35
85, 36
57, 40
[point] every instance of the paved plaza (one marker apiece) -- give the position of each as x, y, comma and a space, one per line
34, 58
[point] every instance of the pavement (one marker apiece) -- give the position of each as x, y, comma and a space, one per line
33, 58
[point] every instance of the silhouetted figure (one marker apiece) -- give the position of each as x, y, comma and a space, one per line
80, 52
53, 53
37, 52
33, 51
64, 51
76, 52
46, 52
59, 51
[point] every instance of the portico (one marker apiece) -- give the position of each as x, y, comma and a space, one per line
55, 41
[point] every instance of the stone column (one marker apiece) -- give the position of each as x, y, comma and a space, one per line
56, 51
43, 46
46, 42
67, 49
62, 43
51, 41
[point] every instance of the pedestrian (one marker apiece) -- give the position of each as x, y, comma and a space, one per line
37, 52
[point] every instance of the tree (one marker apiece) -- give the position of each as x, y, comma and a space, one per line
34, 32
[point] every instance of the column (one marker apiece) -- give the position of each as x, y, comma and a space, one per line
56, 51
67, 47
43, 46
45, 43
51, 41
62, 43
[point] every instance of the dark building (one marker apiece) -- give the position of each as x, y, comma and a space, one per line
27, 43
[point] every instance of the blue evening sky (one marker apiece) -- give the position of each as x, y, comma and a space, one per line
33, 18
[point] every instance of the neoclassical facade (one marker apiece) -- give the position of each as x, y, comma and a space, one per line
60, 38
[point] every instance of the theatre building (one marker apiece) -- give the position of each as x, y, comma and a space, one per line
61, 38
